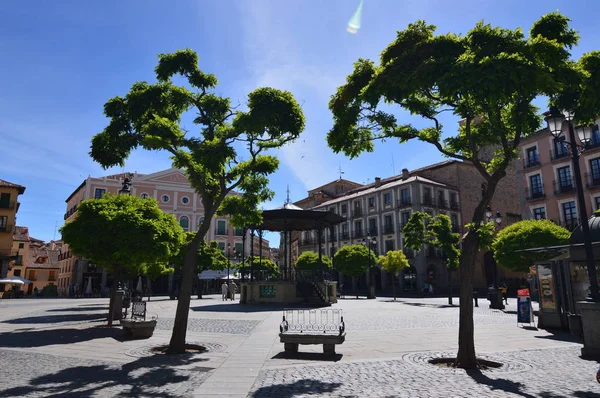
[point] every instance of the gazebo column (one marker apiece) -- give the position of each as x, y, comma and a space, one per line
244, 232
252, 255
332, 241
319, 242
260, 242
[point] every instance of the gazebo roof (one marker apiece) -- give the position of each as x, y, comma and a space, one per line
594, 224
292, 218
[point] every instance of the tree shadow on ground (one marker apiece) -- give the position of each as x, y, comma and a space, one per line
40, 338
80, 309
247, 308
57, 319
560, 335
148, 376
430, 305
298, 388
308, 356
499, 384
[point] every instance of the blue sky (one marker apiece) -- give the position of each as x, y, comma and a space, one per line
62, 60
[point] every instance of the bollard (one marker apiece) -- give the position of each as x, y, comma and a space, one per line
475, 298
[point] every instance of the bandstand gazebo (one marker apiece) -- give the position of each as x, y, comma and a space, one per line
287, 219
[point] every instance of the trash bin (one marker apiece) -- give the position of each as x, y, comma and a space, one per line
575, 326
118, 305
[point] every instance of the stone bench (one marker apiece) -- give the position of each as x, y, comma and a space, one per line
309, 327
137, 327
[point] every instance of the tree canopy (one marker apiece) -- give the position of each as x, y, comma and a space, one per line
264, 267
225, 151
393, 261
354, 260
423, 229
309, 261
210, 256
124, 231
527, 234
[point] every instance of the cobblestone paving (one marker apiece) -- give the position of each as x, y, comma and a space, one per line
229, 326
39, 375
554, 373
372, 322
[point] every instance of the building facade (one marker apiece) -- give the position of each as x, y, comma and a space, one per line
9, 206
545, 177
174, 194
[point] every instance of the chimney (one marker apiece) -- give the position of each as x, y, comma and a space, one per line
377, 182
405, 174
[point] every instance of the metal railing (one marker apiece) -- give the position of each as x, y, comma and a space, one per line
442, 203
357, 234
7, 228
534, 194
427, 200
357, 212
570, 223
563, 187
531, 162
388, 229
373, 231
345, 235
454, 205
403, 202
560, 154
592, 180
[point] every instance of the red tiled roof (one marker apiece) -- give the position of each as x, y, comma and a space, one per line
4, 183
21, 234
43, 258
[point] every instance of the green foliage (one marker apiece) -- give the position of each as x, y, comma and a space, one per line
485, 233
393, 261
422, 229
354, 260
125, 231
310, 261
225, 152
527, 234
269, 267
210, 256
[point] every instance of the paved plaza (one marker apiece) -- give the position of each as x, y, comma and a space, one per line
59, 348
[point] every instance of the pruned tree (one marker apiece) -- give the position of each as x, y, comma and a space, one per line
488, 79
309, 261
262, 266
527, 234
423, 229
393, 262
226, 152
354, 260
124, 234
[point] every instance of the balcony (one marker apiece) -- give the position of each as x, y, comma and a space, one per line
594, 143
534, 194
373, 232
432, 252
531, 162
388, 229
345, 235
427, 200
592, 181
7, 228
403, 202
560, 154
442, 203
570, 224
409, 253
357, 235
8, 206
563, 188
222, 232
403, 224
357, 212
454, 205
308, 241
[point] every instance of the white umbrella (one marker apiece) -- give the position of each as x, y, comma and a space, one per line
14, 280
88, 288
229, 277
139, 285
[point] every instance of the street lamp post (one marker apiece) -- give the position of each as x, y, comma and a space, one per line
368, 241
228, 260
495, 299
555, 120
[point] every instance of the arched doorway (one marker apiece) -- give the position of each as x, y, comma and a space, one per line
410, 278
489, 268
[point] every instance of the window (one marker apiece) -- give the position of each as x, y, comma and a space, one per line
404, 197
19, 260
238, 248
165, 198
184, 221
222, 246
17, 272
239, 232
597, 202
144, 196
595, 138
332, 209
21, 245
539, 213
221, 227
4, 201
387, 198
344, 209
99, 192
389, 245
427, 196
595, 168
564, 177
200, 221
388, 225
358, 228
373, 226
185, 200
454, 222
404, 217
3, 223
441, 199
345, 231
533, 158
569, 213
560, 147
536, 186
371, 202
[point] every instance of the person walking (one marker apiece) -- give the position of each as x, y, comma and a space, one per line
505, 293
232, 290
224, 289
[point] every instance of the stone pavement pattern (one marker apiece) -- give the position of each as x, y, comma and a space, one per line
55, 348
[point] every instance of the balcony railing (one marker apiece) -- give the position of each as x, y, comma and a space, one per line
594, 143
357, 212
562, 188
403, 224
442, 203
373, 231
570, 223
8, 206
454, 205
403, 202
592, 180
357, 234
427, 200
345, 235
531, 162
220, 231
7, 228
560, 154
534, 194
455, 229
388, 229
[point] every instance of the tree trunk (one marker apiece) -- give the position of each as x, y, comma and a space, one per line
394, 286
354, 286
449, 286
177, 343
199, 288
113, 294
